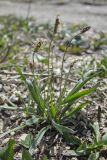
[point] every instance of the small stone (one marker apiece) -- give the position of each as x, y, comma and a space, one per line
67, 147
12, 133
7, 88
19, 155
7, 114
105, 124
14, 99
1, 125
1, 87
102, 158
5, 141
105, 130
1, 100
13, 117
23, 136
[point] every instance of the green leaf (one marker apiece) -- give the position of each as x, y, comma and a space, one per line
53, 111
35, 93
73, 98
41, 59
97, 132
38, 138
104, 139
45, 158
73, 49
62, 129
34, 90
94, 156
76, 109
80, 94
66, 132
26, 155
38, 92
82, 149
28, 141
87, 77
8, 152
70, 139
21, 74
32, 120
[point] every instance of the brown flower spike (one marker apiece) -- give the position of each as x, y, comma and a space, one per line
57, 22
85, 29
37, 46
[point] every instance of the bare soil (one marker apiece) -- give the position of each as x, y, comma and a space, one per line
93, 12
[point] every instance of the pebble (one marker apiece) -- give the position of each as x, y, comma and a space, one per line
12, 133
19, 155
23, 136
1, 100
102, 158
14, 99
7, 88
105, 130
5, 140
1, 87
13, 117
105, 124
1, 125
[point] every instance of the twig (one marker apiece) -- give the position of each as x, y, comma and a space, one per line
37, 74
29, 9
15, 73
99, 114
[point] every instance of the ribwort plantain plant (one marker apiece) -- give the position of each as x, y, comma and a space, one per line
48, 111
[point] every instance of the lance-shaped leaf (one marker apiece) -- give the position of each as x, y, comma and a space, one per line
76, 109
26, 155
67, 133
79, 94
38, 138
104, 139
73, 98
87, 77
7, 153
97, 132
